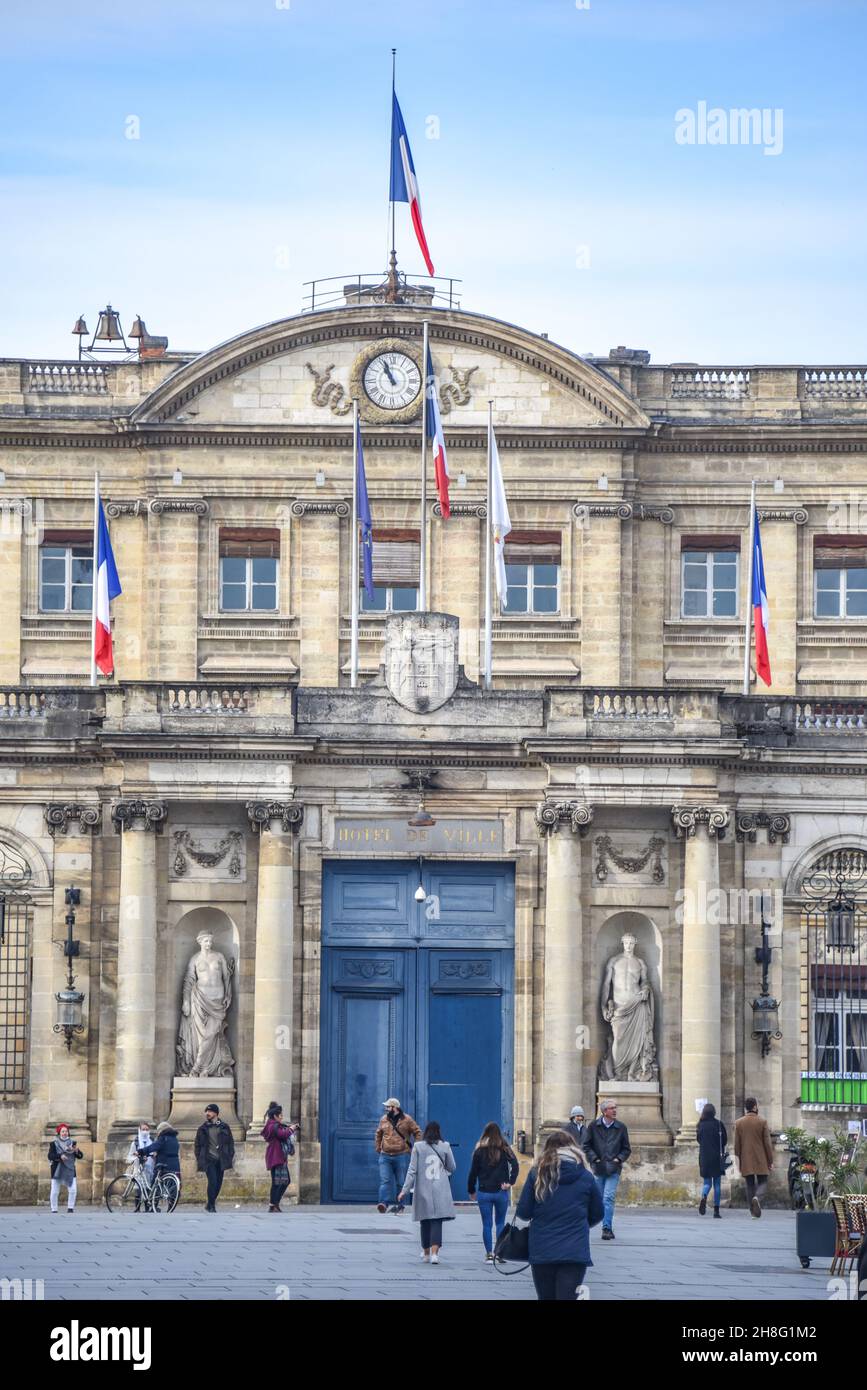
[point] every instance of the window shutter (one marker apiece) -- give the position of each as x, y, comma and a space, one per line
68, 536
250, 540
533, 548
840, 552
396, 555
711, 541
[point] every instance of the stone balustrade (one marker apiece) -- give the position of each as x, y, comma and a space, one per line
66, 378
834, 716
629, 704
23, 704
834, 383
208, 699
711, 383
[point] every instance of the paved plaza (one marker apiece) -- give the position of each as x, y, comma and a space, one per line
354, 1253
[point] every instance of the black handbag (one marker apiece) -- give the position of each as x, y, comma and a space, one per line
513, 1243
725, 1158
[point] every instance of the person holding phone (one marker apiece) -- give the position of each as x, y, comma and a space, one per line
279, 1139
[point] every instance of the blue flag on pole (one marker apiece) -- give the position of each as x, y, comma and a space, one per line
365, 521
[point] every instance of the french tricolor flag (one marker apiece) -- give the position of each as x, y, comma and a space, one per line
404, 184
760, 606
436, 438
106, 587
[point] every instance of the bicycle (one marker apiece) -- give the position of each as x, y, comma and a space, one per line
136, 1192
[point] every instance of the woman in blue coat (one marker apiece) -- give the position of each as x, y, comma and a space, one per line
561, 1201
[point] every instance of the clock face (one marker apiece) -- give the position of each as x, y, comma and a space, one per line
392, 380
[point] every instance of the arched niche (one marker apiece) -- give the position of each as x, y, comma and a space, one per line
184, 945
649, 946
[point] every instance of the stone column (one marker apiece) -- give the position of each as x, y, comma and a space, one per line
138, 823
762, 1076
563, 824
601, 618
700, 970
319, 590
275, 823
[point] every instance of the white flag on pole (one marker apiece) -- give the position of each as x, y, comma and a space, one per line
501, 522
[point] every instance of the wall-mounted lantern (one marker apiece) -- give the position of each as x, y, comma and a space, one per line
70, 1001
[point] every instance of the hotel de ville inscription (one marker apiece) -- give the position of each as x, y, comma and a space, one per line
390, 835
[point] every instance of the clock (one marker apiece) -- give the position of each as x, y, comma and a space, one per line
392, 380
386, 380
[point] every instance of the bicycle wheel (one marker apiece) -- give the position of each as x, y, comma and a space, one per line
166, 1192
125, 1194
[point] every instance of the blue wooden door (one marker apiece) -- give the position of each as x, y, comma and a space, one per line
416, 1003
367, 1056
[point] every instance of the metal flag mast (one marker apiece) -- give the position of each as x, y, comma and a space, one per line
748, 615
94, 578
427, 385
488, 598
353, 575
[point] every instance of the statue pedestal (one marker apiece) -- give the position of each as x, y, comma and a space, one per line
190, 1095
639, 1107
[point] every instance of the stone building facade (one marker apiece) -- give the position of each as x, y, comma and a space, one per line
613, 782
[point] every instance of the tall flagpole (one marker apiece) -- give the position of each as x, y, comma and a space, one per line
391, 147
422, 549
93, 676
748, 616
488, 600
353, 568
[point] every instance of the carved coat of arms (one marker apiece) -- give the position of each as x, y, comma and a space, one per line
421, 659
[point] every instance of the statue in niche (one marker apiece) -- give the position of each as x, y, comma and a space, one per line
202, 1048
628, 1009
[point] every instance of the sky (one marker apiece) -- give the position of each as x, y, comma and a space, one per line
545, 138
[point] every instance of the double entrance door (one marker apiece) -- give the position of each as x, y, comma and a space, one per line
425, 1016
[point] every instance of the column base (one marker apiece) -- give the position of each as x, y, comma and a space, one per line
639, 1107
190, 1095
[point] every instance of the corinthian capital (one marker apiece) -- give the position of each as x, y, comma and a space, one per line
688, 818
552, 816
262, 814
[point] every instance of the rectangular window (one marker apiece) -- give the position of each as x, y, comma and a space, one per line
533, 560
709, 576
840, 576
66, 571
396, 555
249, 566
15, 958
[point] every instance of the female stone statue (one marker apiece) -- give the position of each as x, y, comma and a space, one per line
627, 1006
202, 1048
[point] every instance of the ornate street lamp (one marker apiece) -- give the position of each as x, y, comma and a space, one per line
765, 1007
70, 1001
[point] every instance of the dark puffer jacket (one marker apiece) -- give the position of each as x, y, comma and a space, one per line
560, 1225
167, 1152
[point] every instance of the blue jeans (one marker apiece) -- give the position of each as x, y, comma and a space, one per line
492, 1204
705, 1189
392, 1173
608, 1189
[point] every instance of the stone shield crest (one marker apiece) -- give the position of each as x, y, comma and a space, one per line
421, 659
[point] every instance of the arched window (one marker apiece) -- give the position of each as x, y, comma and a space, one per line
16, 951
835, 918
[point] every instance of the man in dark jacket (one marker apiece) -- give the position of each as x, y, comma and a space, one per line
215, 1152
577, 1126
606, 1144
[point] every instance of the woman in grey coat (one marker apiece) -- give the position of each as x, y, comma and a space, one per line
427, 1179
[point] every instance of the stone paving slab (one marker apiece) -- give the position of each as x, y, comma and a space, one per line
350, 1253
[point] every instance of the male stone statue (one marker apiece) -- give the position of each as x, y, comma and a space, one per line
627, 1005
202, 1048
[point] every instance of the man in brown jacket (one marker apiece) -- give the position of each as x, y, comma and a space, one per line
754, 1152
393, 1140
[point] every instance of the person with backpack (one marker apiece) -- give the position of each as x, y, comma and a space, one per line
393, 1141
712, 1139
494, 1170
280, 1147
561, 1200
62, 1154
430, 1168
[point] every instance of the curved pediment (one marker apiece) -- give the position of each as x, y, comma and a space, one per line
303, 371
